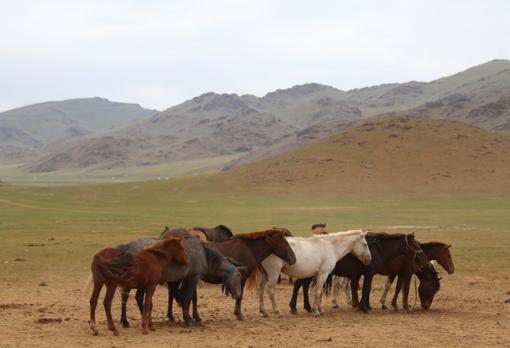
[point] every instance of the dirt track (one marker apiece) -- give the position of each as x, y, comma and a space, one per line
467, 311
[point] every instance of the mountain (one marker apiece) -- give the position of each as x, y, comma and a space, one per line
252, 128
206, 126
24, 131
397, 154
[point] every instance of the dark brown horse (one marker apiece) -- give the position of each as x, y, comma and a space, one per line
249, 250
400, 267
141, 270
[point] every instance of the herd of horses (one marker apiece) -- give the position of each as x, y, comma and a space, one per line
328, 261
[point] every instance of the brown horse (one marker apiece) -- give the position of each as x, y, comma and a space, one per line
403, 268
141, 270
249, 250
319, 229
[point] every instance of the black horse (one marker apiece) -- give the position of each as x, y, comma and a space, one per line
205, 261
220, 233
383, 247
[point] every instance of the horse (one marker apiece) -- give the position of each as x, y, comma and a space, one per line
383, 247
315, 256
436, 251
249, 249
429, 286
219, 233
142, 270
205, 261
319, 229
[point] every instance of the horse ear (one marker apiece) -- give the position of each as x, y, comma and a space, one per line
439, 278
448, 246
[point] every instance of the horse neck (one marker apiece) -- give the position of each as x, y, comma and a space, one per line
342, 244
390, 249
259, 247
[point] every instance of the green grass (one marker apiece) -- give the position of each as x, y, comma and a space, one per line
85, 218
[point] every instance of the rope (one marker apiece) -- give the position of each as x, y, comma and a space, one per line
415, 294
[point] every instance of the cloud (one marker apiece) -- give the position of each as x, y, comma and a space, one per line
159, 53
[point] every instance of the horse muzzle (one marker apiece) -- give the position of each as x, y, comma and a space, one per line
367, 260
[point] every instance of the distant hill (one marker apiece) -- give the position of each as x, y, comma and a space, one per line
398, 154
24, 131
206, 126
228, 124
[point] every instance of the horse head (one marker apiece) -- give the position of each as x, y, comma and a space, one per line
279, 245
429, 286
444, 258
361, 250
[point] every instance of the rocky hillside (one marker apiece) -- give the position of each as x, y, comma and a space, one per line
24, 131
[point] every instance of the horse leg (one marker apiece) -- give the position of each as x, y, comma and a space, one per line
354, 291
146, 314
291, 281
123, 311
321, 279
306, 298
237, 310
347, 289
295, 292
139, 298
387, 288
334, 296
107, 303
365, 297
270, 290
405, 295
395, 295
261, 286
188, 287
196, 316
173, 290
93, 306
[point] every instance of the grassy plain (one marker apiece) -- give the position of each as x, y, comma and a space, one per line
54, 231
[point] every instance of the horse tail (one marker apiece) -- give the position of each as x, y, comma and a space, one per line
253, 278
328, 284
88, 286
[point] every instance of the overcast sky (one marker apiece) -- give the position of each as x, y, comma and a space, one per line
160, 53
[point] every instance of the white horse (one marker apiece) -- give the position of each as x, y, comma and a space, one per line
315, 257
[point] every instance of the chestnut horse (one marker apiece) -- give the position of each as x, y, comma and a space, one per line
436, 251
249, 250
141, 270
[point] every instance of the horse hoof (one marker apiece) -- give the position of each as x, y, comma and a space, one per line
170, 320
279, 314
197, 319
125, 324
115, 332
293, 311
384, 307
264, 314
336, 306
308, 309
240, 316
145, 332
95, 332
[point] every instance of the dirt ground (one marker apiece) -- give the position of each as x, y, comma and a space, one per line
468, 311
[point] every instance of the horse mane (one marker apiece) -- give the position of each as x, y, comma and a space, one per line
262, 234
384, 235
225, 229
213, 256
317, 226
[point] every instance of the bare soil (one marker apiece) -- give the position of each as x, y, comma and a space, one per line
468, 311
